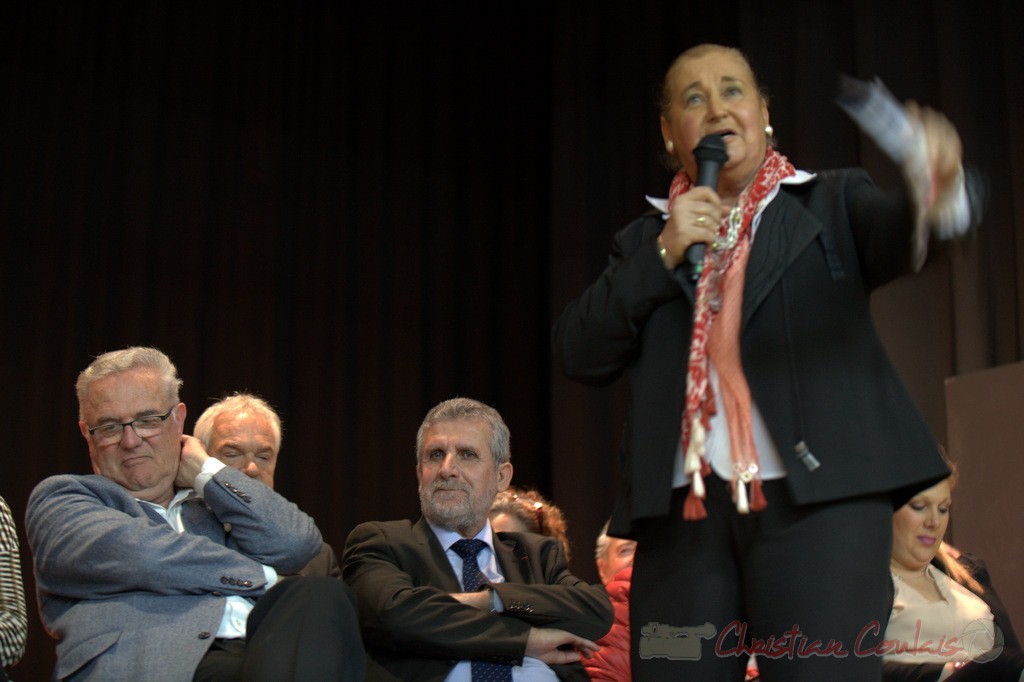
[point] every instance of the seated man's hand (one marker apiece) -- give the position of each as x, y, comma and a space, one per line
190, 463
555, 647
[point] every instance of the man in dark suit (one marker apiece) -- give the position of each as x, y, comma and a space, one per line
165, 564
244, 432
422, 615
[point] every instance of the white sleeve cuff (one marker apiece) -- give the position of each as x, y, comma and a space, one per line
497, 605
211, 466
271, 575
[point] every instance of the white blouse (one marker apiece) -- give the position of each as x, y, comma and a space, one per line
958, 627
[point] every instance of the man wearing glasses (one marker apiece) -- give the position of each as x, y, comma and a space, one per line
165, 565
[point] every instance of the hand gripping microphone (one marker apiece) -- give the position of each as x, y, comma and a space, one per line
711, 155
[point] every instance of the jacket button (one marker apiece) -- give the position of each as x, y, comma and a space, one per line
224, 579
204, 635
246, 583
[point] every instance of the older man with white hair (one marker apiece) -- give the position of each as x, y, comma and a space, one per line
244, 432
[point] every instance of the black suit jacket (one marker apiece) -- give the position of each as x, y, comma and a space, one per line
816, 368
324, 564
414, 629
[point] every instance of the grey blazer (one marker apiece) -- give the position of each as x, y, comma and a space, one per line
126, 596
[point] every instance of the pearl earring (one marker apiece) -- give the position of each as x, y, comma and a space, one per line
670, 147
769, 131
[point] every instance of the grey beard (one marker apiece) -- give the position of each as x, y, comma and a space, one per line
452, 519
454, 516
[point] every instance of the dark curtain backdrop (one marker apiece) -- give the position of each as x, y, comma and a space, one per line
357, 210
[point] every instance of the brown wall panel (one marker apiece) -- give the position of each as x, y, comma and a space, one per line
986, 440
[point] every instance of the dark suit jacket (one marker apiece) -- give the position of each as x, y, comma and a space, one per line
324, 564
929, 672
414, 629
816, 368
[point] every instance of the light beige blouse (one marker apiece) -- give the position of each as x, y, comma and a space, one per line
958, 627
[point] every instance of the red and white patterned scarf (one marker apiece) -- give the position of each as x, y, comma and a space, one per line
721, 281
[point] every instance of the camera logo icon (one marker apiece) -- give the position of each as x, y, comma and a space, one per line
658, 640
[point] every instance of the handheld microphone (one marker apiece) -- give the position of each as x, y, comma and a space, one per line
711, 155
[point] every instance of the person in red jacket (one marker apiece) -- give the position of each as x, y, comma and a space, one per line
614, 558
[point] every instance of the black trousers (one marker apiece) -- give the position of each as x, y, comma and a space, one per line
301, 629
806, 585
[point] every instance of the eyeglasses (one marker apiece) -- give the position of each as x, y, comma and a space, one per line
144, 427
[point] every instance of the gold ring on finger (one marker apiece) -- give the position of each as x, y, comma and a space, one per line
702, 221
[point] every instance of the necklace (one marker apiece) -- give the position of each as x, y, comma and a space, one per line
726, 241
720, 252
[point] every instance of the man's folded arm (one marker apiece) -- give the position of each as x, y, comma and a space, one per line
563, 601
400, 617
84, 549
264, 525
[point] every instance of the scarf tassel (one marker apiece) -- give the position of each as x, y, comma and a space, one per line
696, 468
742, 505
757, 500
693, 507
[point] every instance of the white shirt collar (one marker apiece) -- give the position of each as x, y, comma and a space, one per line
800, 178
448, 537
172, 514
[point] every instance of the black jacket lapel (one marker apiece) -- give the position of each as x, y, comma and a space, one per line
785, 231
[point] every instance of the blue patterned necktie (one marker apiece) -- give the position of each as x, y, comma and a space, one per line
472, 579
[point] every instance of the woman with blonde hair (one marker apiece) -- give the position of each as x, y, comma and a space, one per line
947, 622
